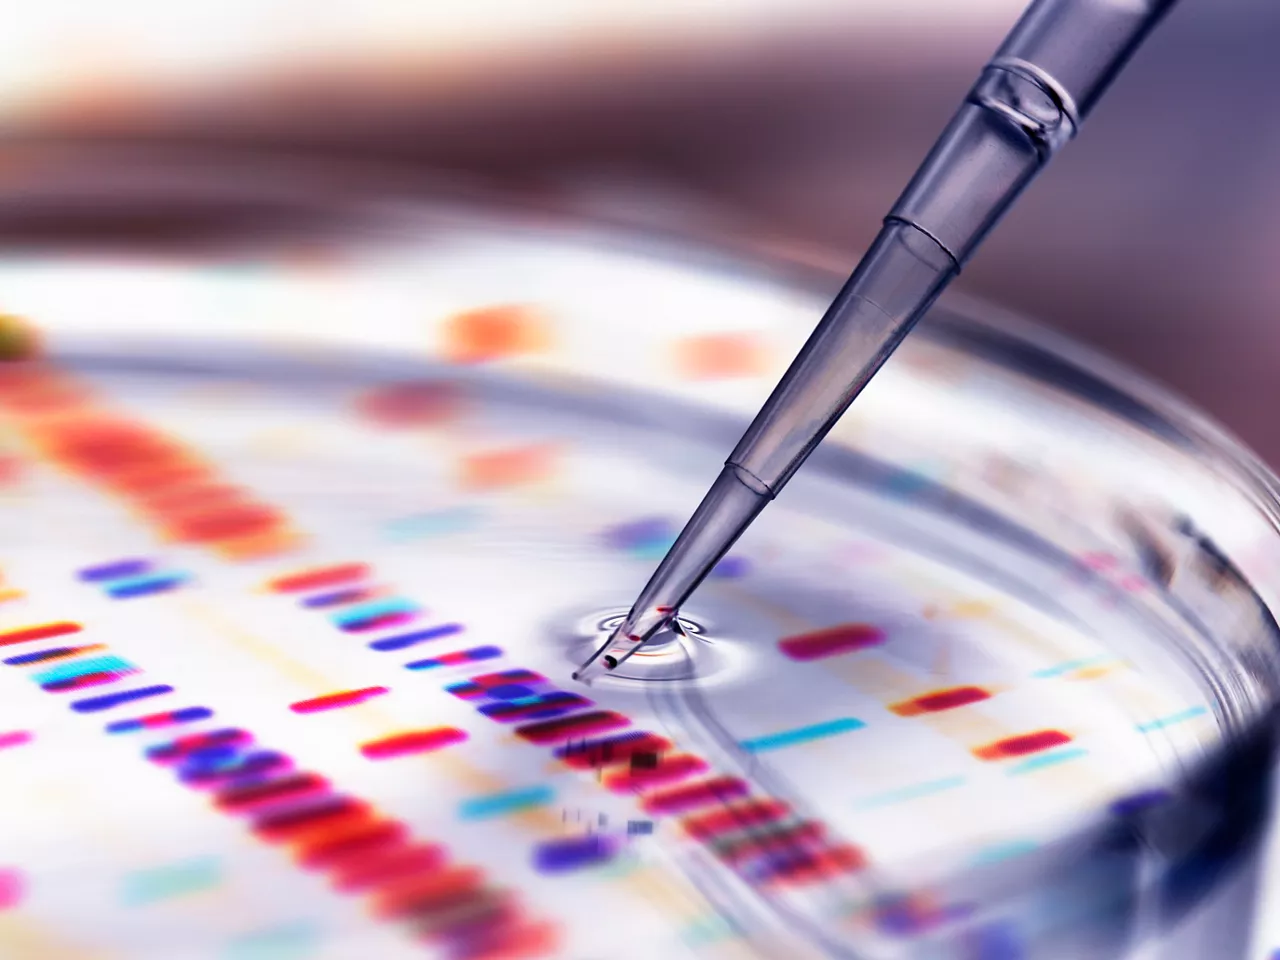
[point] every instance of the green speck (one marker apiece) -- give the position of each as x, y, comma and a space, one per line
172, 880
287, 942
707, 931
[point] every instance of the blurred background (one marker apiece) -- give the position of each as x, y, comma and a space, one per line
787, 127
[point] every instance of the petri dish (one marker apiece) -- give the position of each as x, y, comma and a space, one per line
302, 543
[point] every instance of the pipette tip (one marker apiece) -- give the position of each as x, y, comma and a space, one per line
602, 661
611, 654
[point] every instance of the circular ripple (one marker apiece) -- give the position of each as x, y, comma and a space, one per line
690, 653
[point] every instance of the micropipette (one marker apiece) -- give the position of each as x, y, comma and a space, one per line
1026, 104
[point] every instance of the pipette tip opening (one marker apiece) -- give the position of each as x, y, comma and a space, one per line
598, 663
610, 655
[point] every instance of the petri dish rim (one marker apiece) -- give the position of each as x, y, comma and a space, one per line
1233, 783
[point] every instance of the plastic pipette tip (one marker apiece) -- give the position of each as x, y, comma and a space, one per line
620, 646
597, 664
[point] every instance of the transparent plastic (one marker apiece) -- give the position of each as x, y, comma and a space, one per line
1027, 103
